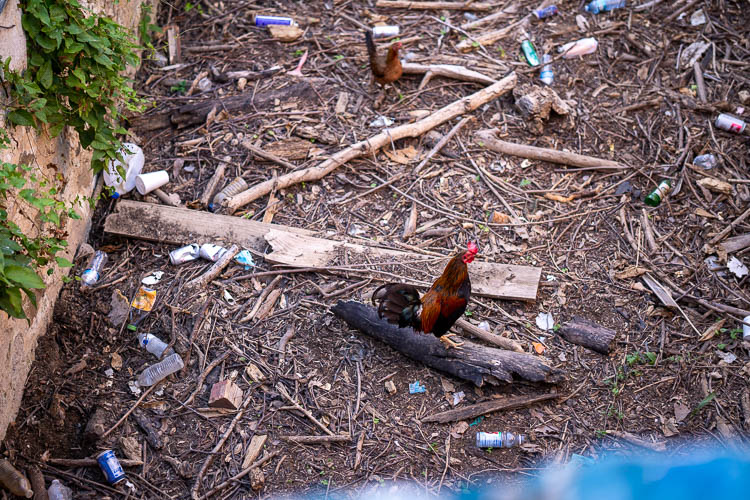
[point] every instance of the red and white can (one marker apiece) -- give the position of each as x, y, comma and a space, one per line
730, 123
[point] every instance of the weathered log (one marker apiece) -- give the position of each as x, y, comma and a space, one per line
588, 334
475, 363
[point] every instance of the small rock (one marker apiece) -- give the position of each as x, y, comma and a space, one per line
285, 33
96, 426
623, 188
257, 479
390, 387
119, 308
241, 83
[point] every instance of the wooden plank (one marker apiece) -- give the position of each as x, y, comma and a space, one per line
181, 226
293, 246
502, 281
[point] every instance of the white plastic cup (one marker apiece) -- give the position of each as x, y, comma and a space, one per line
579, 48
145, 183
132, 164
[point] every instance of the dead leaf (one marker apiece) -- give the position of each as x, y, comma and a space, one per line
715, 185
538, 347
131, 447
458, 429
669, 428
631, 272
448, 386
680, 412
500, 218
284, 33
402, 156
116, 361
703, 213
711, 331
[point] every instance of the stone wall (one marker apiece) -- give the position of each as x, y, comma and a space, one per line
18, 338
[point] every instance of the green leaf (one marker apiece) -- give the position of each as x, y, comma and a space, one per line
45, 74
10, 302
21, 117
24, 276
63, 262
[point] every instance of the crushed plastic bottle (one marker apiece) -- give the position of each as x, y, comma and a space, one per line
131, 164
546, 75
235, 187
548, 11
91, 275
499, 439
707, 161
58, 491
14, 480
597, 6
153, 344
161, 370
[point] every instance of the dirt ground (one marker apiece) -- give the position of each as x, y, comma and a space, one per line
663, 386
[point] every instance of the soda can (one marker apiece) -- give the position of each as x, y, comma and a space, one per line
550, 10
212, 252
385, 31
499, 439
730, 123
530, 52
266, 20
185, 254
111, 467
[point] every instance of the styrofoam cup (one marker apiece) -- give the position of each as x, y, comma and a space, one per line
145, 183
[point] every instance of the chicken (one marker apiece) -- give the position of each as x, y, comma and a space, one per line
438, 309
385, 69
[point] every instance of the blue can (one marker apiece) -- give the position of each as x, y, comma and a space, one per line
266, 20
111, 467
550, 10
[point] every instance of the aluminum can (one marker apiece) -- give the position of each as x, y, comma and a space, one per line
212, 252
730, 123
499, 439
111, 466
185, 254
266, 20
550, 10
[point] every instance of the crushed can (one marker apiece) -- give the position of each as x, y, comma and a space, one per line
212, 252
110, 467
530, 53
184, 254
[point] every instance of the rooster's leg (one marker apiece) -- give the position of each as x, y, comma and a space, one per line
445, 339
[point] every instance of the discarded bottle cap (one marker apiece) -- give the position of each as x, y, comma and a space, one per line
385, 31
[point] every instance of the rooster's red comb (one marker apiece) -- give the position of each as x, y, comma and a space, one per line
472, 248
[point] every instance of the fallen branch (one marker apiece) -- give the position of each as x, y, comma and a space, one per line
213, 182
266, 155
369, 146
122, 419
446, 70
468, 5
488, 38
441, 143
475, 363
301, 408
630, 438
239, 476
542, 154
90, 462
203, 280
345, 438
588, 334
497, 340
210, 458
487, 407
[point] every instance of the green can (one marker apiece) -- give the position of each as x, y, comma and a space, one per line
656, 196
530, 52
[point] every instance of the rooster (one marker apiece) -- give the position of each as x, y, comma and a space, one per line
385, 69
438, 309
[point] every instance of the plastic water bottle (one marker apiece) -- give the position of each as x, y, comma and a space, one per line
550, 10
153, 344
14, 480
499, 439
546, 75
236, 186
597, 6
90, 276
58, 491
132, 164
707, 161
160, 370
